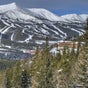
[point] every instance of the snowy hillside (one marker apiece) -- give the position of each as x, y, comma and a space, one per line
23, 28
75, 17
4, 8
45, 14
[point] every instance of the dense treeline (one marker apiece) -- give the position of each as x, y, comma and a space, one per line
4, 64
66, 69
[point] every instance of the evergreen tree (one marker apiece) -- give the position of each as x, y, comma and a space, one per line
42, 68
85, 36
25, 81
16, 75
65, 66
80, 71
9, 78
48, 75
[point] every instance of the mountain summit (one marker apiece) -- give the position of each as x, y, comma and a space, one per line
4, 8
75, 17
43, 13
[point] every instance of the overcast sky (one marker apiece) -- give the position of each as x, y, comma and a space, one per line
59, 7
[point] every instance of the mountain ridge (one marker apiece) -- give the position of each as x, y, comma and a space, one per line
7, 7
22, 28
41, 12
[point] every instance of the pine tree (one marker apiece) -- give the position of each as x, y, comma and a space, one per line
80, 71
85, 36
9, 78
60, 74
65, 67
47, 79
42, 68
25, 80
16, 75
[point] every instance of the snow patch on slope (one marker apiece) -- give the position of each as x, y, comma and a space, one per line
43, 13
12, 37
19, 15
73, 17
84, 16
4, 8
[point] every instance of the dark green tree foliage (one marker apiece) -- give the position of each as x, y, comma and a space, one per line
16, 75
25, 80
85, 36
80, 72
80, 67
13, 76
8, 78
47, 78
65, 66
42, 68
8, 84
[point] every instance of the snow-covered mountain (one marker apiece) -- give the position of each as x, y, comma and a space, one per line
45, 14
75, 17
4, 8
24, 28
